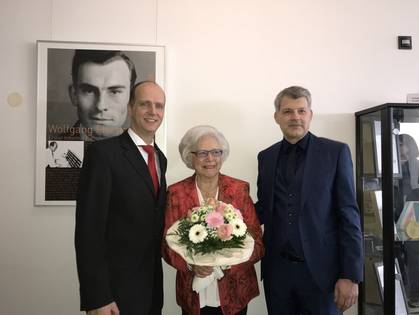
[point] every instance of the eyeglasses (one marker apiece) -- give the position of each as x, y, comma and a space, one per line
201, 154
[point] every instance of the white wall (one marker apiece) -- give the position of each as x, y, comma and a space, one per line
225, 61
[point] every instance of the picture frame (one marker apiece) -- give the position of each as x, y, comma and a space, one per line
61, 138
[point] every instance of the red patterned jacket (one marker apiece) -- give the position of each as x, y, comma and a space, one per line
239, 284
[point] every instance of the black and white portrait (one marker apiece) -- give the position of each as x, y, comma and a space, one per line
83, 93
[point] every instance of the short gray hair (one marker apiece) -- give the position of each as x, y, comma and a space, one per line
191, 138
293, 92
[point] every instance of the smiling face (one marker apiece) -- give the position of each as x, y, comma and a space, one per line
147, 110
294, 117
101, 96
207, 167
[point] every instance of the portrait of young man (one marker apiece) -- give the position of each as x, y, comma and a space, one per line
88, 89
101, 83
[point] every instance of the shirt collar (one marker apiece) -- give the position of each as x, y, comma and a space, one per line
301, 144
137, 139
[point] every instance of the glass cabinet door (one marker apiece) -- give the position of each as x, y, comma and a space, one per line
406, 204
371, 206
388, 195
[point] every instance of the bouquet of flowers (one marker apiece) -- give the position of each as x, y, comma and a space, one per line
213, 234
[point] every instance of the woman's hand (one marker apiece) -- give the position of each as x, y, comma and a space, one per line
202, 271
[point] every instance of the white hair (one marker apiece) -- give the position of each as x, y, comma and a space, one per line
191, 138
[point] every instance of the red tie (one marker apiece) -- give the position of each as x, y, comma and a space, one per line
151, 163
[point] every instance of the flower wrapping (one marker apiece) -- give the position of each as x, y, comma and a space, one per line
213, 234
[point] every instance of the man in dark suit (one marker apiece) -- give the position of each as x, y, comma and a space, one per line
306, 201
120, 214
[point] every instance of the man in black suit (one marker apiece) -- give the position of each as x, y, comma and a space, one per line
120, 214
306, 200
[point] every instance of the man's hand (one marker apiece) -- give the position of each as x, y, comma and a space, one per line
202, 271
110, 309
346, 294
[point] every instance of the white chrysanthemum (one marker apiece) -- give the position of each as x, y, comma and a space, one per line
229, 209
239, 227
197, 233
194, 217
229, 216
205, 209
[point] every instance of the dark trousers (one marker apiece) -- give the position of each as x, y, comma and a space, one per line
215, 311
290, 290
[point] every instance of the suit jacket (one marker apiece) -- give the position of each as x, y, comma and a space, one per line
119, 226
329, 221
239, 284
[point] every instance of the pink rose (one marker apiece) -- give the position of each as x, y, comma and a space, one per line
220, 208
214, 219
224, 232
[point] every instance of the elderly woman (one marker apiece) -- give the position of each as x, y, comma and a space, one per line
204, 149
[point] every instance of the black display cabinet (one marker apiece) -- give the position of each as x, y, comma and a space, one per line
387, 180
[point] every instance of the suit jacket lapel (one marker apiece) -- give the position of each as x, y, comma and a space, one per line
136, 160
163, 167
162, 160
312, 169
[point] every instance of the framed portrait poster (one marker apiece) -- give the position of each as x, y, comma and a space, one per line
82, 97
